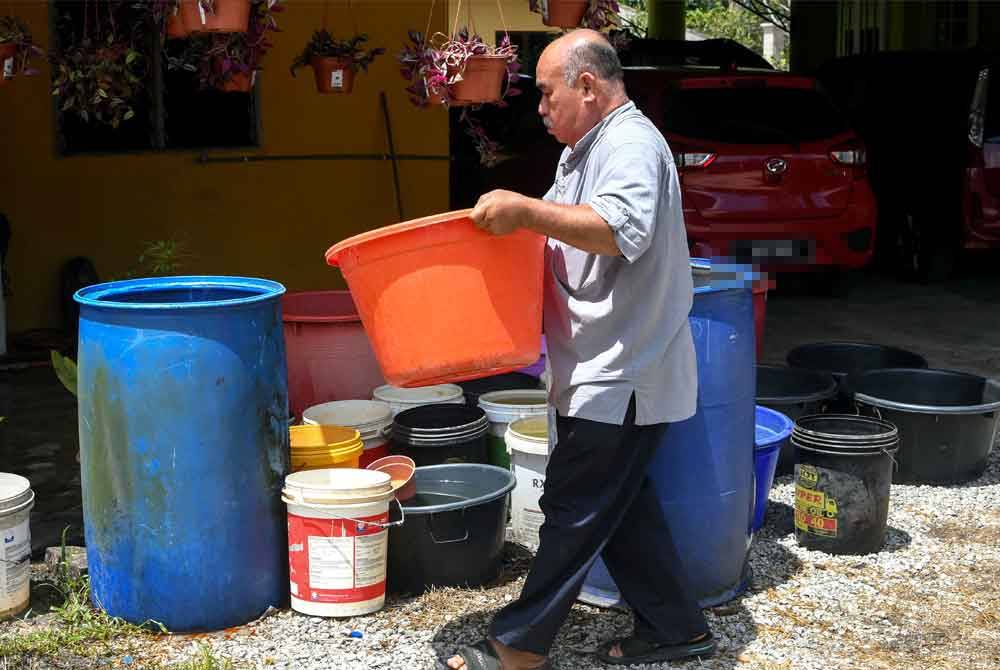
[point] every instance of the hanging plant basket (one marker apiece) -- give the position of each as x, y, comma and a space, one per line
482, 80
175, 26
565, 13
7, 53
219, 16
333, 75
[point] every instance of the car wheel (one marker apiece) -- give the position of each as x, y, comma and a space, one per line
923, 255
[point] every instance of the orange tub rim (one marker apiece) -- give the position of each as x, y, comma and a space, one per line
333, 253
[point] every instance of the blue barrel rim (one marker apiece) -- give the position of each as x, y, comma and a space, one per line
737, 276
96, 295
786, 424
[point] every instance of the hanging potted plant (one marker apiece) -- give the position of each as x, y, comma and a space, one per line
229, 62
16, 49
215, 16
459, 71
167, 15
99, 75
595, 14
334, 62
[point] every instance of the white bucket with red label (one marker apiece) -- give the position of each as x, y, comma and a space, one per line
338, 539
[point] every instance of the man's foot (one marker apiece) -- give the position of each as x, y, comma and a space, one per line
638, 651
491, 655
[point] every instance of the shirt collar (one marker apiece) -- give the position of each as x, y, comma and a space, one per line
587, 141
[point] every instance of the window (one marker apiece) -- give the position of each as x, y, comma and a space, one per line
752, 115
171, 112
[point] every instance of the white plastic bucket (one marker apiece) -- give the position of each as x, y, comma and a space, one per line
368, 417
400, 399
529, 455
338, 540
503, 407
16, 501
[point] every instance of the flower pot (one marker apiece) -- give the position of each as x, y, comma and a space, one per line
7, 53
175, 26
228, 16
482, 80
333, 74
239, 83
566, 13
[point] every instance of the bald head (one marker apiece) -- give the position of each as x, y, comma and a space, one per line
581, 81
589, 51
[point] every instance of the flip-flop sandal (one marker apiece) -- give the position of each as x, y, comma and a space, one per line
481, 656
636, 651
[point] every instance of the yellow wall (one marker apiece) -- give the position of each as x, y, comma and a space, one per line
272, 219
486, 16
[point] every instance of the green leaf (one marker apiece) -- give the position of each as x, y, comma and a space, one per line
132, 55
129, 114
65, 370
102, 93
84, 115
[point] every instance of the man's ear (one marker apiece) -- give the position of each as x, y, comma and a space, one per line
588, 83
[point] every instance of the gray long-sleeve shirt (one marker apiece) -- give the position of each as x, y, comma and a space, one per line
615, 325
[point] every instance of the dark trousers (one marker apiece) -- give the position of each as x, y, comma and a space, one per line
598, 499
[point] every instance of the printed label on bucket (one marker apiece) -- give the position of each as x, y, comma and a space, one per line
337, 79
15, 565
337, 560
815, 511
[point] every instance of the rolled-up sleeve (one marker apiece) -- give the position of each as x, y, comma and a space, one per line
627, 195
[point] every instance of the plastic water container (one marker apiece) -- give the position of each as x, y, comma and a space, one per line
329, 355
528, 440
503, 407
402, 399
704, 477
16, 501
369, 417
184, 449
338, 540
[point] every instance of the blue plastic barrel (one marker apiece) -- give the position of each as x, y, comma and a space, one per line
704, 473
772, 433
183, 408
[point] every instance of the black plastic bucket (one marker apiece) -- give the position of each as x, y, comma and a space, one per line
842, 482
947, 421
441, 433
794, 392
842, 359
454, 530
512, 381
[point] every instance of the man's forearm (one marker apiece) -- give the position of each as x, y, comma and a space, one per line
576, 225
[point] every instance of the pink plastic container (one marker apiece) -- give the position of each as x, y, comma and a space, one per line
329, 355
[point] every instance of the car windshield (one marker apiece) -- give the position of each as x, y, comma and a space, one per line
757, 115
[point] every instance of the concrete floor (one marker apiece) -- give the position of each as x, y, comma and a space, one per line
955, 325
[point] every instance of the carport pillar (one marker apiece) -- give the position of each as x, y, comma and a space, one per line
665, 19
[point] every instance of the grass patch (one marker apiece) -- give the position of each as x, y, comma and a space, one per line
205, 660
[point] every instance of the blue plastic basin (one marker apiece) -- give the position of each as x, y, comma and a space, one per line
772, 432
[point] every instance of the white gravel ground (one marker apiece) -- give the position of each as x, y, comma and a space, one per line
929, 600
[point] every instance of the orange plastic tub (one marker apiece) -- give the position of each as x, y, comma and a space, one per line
443, 301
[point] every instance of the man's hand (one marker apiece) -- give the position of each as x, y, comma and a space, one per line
501, 212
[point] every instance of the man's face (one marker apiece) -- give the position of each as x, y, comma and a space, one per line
562, 105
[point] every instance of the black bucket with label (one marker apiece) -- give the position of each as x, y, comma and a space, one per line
842, 482
441, 433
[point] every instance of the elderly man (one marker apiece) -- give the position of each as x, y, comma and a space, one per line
618, 291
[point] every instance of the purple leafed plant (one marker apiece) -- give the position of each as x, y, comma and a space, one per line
217, 58
14, 31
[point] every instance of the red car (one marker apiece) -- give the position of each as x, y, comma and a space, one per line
981, 186
771, 172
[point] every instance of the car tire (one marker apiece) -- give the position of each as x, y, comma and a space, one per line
925, 253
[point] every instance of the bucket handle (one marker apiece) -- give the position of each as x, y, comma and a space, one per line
430, 529
389, 524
